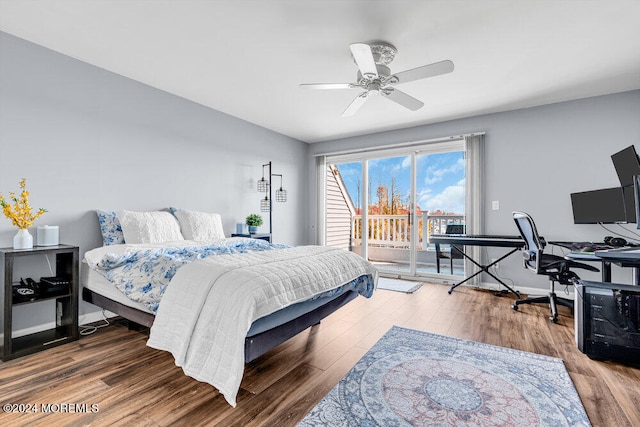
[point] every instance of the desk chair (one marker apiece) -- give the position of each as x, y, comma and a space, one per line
455, 251
555, 267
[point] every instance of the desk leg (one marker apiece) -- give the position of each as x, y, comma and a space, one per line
485, 269
606, 271
438, 257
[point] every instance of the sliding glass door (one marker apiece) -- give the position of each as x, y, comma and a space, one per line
440, 197
389, 208
384, 205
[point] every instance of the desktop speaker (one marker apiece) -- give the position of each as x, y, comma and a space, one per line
47, 235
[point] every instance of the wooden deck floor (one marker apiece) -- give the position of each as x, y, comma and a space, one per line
131, 384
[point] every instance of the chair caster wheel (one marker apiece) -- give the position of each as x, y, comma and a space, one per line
514, 307
553, 319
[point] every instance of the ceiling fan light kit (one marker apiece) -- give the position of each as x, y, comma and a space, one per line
374, 76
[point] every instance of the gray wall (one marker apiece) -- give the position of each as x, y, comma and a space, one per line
86, 138
534, 158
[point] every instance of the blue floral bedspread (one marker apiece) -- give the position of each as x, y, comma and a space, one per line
143, 276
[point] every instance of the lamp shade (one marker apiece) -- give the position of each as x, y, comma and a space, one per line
263, 185
281, 195
265, 205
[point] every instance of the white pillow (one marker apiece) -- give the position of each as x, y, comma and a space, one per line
200, 225
149, 227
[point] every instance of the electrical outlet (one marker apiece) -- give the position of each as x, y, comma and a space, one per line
495, 205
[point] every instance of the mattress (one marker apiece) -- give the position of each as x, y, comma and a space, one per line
97, 283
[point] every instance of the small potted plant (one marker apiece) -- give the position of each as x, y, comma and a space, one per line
254, 221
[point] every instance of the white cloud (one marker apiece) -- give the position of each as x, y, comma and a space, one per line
436, 173
451, 199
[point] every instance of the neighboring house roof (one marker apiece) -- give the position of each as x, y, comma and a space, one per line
338, 179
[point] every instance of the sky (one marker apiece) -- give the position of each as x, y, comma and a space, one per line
439, 179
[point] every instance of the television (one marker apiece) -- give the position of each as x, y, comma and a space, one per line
627, 165
599, 206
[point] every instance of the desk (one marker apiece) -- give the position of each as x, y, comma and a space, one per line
513, 242
624, 257
591, 257
587, 257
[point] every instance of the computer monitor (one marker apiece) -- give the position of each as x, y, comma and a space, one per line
636, 192
630, 197
599, 206
627, 165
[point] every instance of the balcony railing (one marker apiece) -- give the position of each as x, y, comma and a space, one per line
395, 230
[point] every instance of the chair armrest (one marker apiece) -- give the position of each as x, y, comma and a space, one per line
529, 255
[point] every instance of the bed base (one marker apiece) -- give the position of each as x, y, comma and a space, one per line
137, 316
255, 345
259, 344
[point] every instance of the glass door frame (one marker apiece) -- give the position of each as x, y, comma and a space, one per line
453, 144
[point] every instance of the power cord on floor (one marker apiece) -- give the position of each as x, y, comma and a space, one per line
498, 291
90, 329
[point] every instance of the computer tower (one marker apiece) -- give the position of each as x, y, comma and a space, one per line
607, 321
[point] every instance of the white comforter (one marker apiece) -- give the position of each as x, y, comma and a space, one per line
209, 307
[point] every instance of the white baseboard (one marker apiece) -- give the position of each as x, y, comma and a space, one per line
532, 292
529, 291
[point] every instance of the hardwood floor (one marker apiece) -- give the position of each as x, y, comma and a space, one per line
131, 384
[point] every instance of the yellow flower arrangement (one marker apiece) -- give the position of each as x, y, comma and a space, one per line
20, 212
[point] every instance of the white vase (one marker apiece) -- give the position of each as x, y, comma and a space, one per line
23, 240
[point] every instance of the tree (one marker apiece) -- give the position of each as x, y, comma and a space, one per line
383, 200
396, 198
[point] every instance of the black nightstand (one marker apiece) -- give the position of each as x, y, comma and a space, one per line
65, 312
262, 236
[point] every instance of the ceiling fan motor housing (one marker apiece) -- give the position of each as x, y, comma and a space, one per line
383, 72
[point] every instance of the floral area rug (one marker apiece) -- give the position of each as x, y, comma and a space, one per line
417, 378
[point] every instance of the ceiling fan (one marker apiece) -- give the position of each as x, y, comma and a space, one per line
374, 76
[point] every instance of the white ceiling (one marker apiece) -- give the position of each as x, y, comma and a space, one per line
247, 57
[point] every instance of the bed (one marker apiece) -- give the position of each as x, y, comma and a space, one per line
277, 292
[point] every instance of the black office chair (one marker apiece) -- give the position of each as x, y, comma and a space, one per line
455, 251
554, 266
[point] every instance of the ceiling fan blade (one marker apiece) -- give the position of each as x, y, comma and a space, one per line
364, 59
403, 99
355, 104
431, 70
327, 86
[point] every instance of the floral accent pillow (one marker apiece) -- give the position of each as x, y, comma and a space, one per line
110, 228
